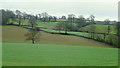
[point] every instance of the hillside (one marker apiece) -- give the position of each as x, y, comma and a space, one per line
100, 28
17, 35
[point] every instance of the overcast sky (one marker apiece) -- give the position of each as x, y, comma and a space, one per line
100, 9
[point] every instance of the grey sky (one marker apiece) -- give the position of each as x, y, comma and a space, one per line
101, 10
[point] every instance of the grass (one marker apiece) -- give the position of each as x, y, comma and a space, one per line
21, 54
40, 23
108, 38
61, 20
16, 35
100, 28
47, 24
54, 50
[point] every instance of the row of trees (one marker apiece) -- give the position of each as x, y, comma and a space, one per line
74, 24
70, 24
18, 15
105, 36
118, 33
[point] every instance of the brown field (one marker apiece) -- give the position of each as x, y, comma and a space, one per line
16, 34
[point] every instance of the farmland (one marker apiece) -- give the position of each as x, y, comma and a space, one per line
21, 54
54, 50
100, 28
17, 35
47, 40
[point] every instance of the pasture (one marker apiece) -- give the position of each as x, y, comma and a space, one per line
16, 34
22, 54
54, 50
100, 28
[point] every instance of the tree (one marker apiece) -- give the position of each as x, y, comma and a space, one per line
19, 16
91, 19
104, 32
71, 17
6, 16
91, 30
81, 21
18, 13
118, 33
59, 26
107, 21
50, 17
44, 16
39, 16
32, 22
55, 18
63, 17
25, 15
66, 26
0, 17
33, 33
109, 29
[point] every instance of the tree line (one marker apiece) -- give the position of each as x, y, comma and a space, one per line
71, 23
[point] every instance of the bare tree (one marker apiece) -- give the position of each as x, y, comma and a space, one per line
33, 33
81, 21
32, 22
39, 16
63, 17
107, 21
44, 16
91, 19
59, 26
19, 16
71, 17
18, 13
66, 26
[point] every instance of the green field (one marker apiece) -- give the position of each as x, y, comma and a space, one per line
54, 50
16, 34
50, 25
88, 35
47, 24
39, 23
100, 28
21, 54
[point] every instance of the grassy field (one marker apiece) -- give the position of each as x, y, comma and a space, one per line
54, 50
20, 54
47, 24
39, 23
16, 34
109, 38
100, 28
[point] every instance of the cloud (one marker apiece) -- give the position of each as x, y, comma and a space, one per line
59, 0
99, 9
